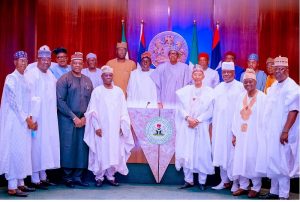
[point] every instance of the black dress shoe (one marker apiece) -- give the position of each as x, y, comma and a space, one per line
202, 187
26, 189
39, 186
69, 184
113, 183
17, 192
268, 196
186, 185
99, 183
80, 183
47, 183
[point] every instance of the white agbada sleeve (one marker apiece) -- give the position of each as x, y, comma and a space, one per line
206, 115
181, 110
89, 133
261, 157
126, 131
130, 87
35, 107
91, 124
9, 92
35, 103
216, 79
236, 116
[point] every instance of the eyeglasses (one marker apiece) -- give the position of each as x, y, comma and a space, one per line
61, 57
280, 69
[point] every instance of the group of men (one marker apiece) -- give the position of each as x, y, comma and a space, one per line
253, 135
51, 118
55, 115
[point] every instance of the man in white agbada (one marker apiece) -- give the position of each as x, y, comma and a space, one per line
282, 131
15, 127
247, 129
107, 131
192, 146
141, 90
92, 71
45, 143
225, 95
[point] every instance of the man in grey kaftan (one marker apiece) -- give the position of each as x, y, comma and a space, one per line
169, 77
73, 95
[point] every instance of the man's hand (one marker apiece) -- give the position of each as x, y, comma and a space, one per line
83, 121
160, 105
99, 132
192, 123
35, 126
233, 140
77, 122
30, 124
284, 137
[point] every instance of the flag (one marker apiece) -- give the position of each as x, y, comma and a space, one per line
142, 42
124, 38
216, 49
194, 51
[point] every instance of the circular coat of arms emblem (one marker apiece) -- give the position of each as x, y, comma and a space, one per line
161, 44
158, 130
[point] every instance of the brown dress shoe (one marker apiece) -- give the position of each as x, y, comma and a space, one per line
17, 192
252, 194
240, 192
26, 189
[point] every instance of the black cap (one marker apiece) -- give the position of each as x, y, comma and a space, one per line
59, 50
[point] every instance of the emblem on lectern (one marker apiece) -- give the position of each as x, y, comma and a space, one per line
158, 130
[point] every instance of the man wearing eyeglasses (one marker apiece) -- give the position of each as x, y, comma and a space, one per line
61, 67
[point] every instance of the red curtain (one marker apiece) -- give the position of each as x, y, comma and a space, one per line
238, 27
279, 32
17, 22
81, 25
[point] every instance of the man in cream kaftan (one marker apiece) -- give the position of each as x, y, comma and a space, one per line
107, 131
192, 146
